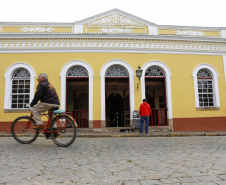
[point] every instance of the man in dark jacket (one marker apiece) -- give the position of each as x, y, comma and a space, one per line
48, 96
145, 112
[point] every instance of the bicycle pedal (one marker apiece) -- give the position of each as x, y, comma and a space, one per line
47, 135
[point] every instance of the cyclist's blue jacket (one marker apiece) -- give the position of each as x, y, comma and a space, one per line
46, 93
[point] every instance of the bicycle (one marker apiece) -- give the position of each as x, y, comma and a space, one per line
60, 127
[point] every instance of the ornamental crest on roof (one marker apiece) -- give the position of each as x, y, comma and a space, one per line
115, 19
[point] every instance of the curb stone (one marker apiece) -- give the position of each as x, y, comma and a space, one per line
151, 134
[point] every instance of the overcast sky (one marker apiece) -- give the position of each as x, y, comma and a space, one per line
206, 13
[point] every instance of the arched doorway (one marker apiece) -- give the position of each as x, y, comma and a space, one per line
117, 96
77, 90
155, 92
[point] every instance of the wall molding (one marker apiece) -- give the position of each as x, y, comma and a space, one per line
121, 45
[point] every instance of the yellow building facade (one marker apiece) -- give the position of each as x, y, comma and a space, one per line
92, 64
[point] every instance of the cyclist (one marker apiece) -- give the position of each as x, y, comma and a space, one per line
48, 96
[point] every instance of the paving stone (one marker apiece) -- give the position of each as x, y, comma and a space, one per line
115, 161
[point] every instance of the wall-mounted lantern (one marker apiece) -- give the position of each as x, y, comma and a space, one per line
138, 74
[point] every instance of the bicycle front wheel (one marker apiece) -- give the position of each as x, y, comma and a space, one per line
22, 130
63, 130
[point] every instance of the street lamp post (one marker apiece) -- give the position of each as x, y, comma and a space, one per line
138, 75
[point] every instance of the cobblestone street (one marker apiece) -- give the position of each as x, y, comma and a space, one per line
127, 161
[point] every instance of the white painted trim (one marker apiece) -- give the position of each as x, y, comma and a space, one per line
78, 29
63, 75
103, 50
131, 84
152, 30
215, 77
224, 62
223, 33
8, 81
168, 84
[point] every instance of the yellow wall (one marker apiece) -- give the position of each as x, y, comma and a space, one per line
181, 66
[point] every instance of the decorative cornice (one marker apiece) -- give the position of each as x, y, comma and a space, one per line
115, 30
189, 32
37, 29
205, 47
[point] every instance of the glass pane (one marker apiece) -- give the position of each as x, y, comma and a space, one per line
15, 81
26, 101
14, 90
14, 96
14, 101
27, 91
20, 106
210, 90
20, 91
21, 96
20, 101
14, 106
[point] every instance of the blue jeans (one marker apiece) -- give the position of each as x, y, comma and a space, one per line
142, 124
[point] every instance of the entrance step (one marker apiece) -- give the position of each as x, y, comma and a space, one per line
117, 129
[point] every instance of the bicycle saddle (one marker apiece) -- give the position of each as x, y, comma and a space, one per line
55, 108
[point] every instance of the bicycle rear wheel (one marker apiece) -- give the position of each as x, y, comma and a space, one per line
22, 130
63, 130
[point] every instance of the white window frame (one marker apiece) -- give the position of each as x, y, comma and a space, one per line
215, 77
168, 76
8, 83
103, 70
63, 76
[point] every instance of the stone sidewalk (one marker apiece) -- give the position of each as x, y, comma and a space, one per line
115, 161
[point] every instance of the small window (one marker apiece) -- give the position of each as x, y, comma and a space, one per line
20, 89
205, 88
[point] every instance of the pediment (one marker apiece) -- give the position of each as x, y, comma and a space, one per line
115, 22
115, 17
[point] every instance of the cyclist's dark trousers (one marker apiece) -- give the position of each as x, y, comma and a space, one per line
41, 108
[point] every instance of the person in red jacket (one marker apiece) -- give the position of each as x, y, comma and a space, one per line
145, 112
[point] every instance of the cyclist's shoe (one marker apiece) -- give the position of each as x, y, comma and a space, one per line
55, 134
38, 127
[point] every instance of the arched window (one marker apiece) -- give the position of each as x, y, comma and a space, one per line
20, 89
205, 88
154, 71
116, 71
77, 71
